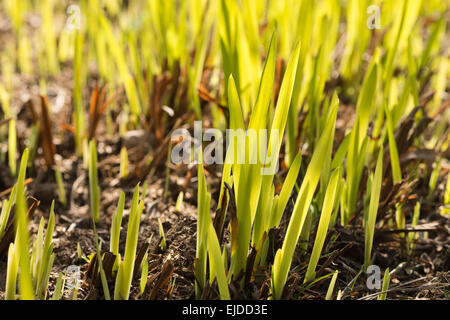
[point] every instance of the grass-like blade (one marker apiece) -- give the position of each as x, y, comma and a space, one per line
373, 209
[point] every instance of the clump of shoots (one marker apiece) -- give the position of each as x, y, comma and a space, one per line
43, 256
22, 238
358, 141
283, 257
125, 74
126, 266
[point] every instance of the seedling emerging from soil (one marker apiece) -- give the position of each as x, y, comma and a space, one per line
144, 271
126, 266
33, 274
22, 238
283, 257
79, 251
331, 286
59, 287
43, 256
162, 236
385, 286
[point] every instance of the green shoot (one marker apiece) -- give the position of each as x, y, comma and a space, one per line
446, 208
123, 163
60, 184
385, 286
59, 287
203, 201
22, 237
163, 237
125, 75
413, 235
434, 178
395, 162
331, 286
79, 116
43, 256
115, 228
94, 188
79, 251
6, 211
217, 268
144, 274
179, 204
12, 147
283, 257
11, 273
373, 209
126, 267
328, 207
208, 235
